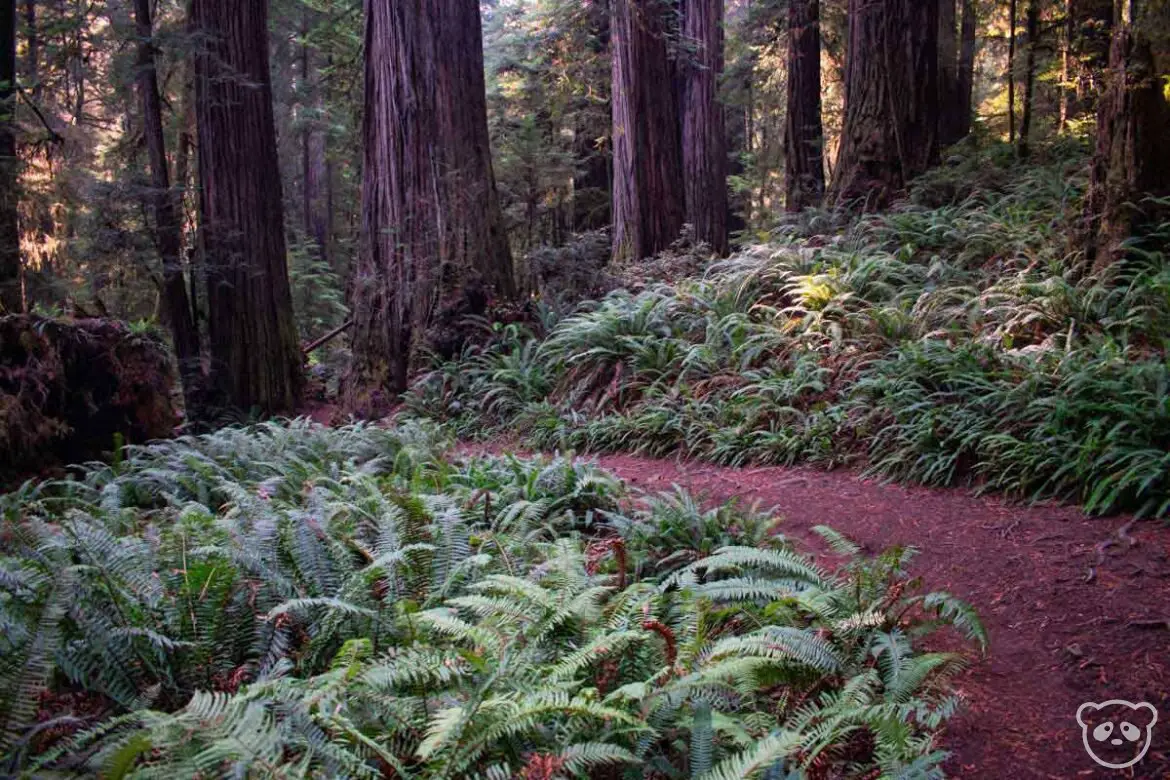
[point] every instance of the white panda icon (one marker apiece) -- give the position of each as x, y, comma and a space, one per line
1117, 733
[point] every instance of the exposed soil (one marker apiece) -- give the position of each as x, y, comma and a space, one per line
1070, 620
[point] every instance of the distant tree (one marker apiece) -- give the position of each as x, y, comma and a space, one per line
1032, 31
966, 74
1089, 26
256, 361
1132, 158
804, 141
890, 133
1013, 12
704, 142
433, 241
168, 231
10, 294
950, 105
648, 200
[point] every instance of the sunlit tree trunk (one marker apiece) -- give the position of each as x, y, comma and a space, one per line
1033, 33
433, 242
704, 144
648, 198
256, 361
890, 134
1132, 158
1011, 72
966, 74
804, 138
168, 231
10, 293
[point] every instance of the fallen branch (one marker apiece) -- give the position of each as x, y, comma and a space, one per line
315, 345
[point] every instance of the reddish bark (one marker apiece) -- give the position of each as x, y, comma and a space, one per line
890, 134
648, 195
804, 141
11, 299
433, 242
256, 362
704, 142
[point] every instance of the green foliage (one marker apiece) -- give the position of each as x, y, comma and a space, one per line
952, 340
290, 599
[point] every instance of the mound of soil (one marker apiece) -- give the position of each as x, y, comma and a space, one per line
67, 388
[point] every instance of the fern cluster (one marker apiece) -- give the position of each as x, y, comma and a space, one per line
953, 340
290, 600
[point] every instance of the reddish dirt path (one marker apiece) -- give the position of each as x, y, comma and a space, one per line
1056, 640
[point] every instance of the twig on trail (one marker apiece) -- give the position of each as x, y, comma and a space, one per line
1121, 533
1152, 624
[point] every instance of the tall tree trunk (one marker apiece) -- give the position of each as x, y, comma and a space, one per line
316, 217
32, 66
1090, 26
890, 134
433, 242
1011, 72
648, 209
1066, 92
256, 361
1132, 158
1033, 33
804, 138
168, 231
10, 292
591, 182
704, 142
966, 89
950, 104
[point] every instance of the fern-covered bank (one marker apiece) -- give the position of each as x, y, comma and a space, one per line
956, 339
296, 600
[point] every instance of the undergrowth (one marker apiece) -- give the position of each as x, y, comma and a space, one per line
957, 339
291, 600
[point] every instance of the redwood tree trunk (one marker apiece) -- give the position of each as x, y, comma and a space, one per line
967, 67
1011, 71
10, 294
704, 144
433, 242
1033, 33
256, 362
950, 102
168, 232
804, 138
647, 160
315, 213
1132, 159
890, 134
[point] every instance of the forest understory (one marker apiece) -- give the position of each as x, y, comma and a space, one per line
613, 389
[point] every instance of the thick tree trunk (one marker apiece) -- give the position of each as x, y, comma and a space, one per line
256, 362
433, 243
32, 64
966, 89
804, 138
890, 134
704, 143
1090, 26
1132, 159
648, 199
10, 292
950, 102
1011, 71
1033, 33
168, 231
592, 181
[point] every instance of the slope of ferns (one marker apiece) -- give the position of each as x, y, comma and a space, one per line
297, 601
955, 340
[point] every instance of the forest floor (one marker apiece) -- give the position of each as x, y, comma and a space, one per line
1077, 608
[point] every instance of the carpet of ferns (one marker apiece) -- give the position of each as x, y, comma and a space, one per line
958, 339
297, 601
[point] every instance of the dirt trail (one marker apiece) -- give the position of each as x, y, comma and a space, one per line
1057, 640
